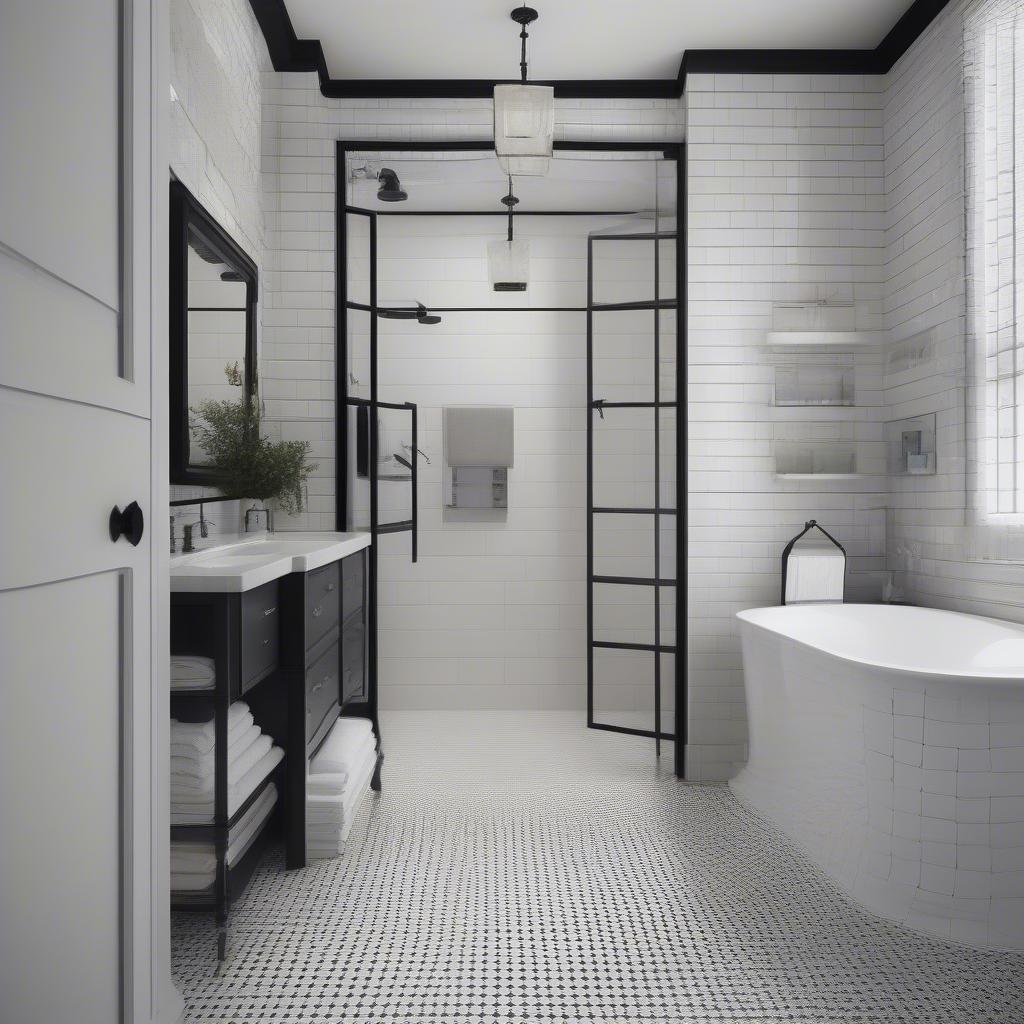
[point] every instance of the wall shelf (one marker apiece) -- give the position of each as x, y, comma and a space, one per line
832, 341
820, 476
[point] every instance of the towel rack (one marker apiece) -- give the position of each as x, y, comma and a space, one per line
811, 524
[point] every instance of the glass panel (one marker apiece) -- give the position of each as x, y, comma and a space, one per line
623, 352
624, 688
357, 241
624, 268
668, 698
623, 614
623, 470
623, 545
667, 349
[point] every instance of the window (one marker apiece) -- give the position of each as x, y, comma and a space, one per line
994, 52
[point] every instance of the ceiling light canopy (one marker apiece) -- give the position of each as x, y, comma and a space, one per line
524, 115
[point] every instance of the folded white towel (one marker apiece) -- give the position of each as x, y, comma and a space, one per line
200, 736
191, 671
186, 760
342, 750
193, 784
201, 858
329, 840
197, 809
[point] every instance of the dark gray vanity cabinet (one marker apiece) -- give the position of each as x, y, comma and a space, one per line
241, 632
323, 652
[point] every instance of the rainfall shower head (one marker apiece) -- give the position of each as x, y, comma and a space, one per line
420, 314
390, 190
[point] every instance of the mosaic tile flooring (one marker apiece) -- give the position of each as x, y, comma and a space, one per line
520, 869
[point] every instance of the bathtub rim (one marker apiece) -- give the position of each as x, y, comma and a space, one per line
999, 683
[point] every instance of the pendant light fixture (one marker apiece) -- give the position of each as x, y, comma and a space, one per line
524, 115
509, 259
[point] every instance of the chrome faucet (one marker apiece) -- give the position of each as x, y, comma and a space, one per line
186, 531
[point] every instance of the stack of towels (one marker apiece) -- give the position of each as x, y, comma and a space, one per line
252, 756
194, 865
339, 776
192, 672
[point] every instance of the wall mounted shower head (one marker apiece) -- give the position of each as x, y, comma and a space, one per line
390, 190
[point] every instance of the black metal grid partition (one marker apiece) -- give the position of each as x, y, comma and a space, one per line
346, 306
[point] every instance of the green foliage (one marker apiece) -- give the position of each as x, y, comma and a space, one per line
247, 463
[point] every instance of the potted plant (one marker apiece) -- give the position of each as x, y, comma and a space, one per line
246, 461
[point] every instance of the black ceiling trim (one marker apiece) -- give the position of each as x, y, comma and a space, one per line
289, 53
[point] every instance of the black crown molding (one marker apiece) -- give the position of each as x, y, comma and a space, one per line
289, 53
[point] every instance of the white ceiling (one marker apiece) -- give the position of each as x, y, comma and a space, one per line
573, 39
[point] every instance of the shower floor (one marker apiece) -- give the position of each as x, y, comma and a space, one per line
520, 868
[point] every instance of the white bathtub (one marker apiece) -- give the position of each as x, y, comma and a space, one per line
888, 743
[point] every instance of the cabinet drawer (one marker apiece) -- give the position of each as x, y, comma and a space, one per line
323, 595
260, 633
353, 662
353, 574
321, 688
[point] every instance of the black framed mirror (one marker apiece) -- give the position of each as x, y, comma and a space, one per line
212, 327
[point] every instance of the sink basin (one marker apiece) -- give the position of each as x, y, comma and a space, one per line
245, 563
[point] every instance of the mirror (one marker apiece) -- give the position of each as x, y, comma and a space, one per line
212, 327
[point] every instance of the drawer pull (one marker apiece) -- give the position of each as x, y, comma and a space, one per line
266, 642
330, 587
317, 612
319, 686
269, 611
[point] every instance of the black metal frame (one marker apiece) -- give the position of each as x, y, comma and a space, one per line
186, 212
657, 648
669, 151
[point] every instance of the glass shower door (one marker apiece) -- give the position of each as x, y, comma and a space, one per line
632, 535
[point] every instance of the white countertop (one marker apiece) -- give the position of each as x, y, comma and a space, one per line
237, 564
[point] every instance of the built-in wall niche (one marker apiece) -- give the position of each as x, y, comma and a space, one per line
823, 326
814, 384
910, 445
801, 460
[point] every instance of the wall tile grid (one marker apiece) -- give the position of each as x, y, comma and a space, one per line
217, 57
786, 204
937, 558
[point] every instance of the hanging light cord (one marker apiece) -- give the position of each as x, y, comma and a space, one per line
510, 202
524, 35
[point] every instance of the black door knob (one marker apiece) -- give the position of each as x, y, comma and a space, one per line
129, 523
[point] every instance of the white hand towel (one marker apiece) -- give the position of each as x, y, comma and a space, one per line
815, 573
342, 750
236, 769
322, 843
189, 809
189, 672
185, 760
201, 858
201, 735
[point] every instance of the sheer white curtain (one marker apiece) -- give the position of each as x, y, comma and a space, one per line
994, 81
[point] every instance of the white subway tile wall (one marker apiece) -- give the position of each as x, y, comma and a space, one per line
937, 557
786, 205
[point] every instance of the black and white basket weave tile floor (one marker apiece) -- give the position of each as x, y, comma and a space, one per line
519, 868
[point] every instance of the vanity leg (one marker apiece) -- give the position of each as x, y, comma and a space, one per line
375, 782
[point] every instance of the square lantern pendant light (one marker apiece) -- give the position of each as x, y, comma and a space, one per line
524, 116
508, 259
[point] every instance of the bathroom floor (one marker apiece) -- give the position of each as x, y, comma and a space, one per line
520, 868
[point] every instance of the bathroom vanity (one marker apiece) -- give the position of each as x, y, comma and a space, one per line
284, 619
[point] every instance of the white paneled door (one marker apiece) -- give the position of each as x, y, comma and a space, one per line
75, 443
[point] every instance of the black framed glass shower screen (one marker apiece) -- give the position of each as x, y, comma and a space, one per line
650, 286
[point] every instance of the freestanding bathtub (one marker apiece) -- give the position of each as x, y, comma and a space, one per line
888, 743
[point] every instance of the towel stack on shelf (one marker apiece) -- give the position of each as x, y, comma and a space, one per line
251, 758
194, 865
192, 672
339, 776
